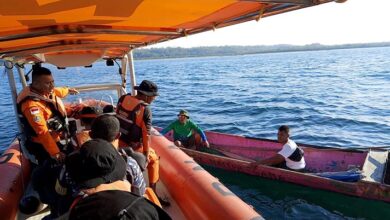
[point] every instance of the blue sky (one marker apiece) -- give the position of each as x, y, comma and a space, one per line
355, 21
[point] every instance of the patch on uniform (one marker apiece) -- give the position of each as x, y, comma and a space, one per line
34, 110
37, 119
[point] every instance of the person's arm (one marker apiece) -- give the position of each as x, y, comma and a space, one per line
167, 129
62, 92
199, 130
277, 158
120, 101
147, 126
34, 115
137, 179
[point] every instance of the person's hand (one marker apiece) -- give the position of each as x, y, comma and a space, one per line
73, 91
59, 157
206, 144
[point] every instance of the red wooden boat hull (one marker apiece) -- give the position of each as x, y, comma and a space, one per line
361, 189
239, 151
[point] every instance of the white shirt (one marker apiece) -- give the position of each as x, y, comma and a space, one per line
286, 151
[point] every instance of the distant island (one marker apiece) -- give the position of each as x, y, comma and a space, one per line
179, 52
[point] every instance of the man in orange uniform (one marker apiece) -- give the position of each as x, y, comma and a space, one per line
135, 119
43, 115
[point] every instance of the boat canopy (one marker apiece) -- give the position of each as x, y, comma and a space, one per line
55, 30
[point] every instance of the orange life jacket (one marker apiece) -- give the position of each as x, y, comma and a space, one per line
36, 110
82, 137
130, 112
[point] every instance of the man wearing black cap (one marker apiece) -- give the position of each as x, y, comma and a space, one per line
106, 127
99, 170
135, 119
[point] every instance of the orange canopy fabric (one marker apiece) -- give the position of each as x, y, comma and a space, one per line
114, 27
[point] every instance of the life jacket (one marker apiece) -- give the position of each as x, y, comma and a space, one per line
130, 113
81, 137
297, 155
55, 104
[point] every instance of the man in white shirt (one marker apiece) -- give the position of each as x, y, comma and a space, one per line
290, 156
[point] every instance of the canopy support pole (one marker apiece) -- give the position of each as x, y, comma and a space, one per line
12, 84
132, 73
123, 74
21, 76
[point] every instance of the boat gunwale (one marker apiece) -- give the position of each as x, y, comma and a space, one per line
357, 149
374, 191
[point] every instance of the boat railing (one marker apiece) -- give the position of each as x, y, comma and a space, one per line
102, 87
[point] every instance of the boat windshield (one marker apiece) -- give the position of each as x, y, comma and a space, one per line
94, 92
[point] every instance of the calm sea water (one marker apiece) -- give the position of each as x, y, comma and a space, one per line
330, 98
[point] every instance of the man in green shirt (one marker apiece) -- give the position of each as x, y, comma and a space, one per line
186, 133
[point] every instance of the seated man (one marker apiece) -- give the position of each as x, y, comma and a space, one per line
186, 133
290, 157
107, 127
98, 170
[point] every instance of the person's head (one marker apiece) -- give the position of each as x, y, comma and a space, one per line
183, 116
42, 80
105, 127
147, 91
283, 134
97, 162
87, 115
109, 109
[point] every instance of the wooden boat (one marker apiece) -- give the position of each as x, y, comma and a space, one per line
79, 33
325, 166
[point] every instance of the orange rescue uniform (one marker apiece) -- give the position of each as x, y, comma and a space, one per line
136, 132
37, 109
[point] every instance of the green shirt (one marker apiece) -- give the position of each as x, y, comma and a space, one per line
183, 131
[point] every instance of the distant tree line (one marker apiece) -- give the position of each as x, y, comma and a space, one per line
177, 52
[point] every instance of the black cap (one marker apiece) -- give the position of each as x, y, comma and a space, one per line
96, 162
147, 88
109, 109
